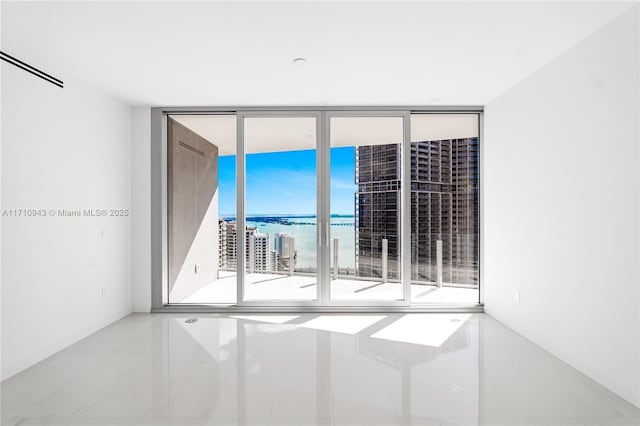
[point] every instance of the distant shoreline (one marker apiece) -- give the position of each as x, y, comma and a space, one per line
283, 219
304, 229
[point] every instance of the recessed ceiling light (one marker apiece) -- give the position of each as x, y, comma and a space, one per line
300, 61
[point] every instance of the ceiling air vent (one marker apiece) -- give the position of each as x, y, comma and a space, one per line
31, 69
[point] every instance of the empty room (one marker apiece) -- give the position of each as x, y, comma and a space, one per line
320, 213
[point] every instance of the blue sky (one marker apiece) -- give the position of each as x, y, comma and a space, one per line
285, 182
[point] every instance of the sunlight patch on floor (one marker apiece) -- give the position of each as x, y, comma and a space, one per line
350, 324
423, 329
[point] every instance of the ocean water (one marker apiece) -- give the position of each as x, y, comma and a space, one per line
303, 229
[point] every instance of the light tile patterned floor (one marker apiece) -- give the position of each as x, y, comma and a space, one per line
308, 369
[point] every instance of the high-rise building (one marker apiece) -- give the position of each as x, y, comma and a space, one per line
273, 255
257, 248
231, 238
284, 247
377, 204
444, 206
222, 244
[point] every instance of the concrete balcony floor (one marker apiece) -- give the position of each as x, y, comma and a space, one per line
269, 287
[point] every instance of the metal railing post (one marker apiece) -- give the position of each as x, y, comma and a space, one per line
385, 259
439, 263
252, 253
291, 255
335, 258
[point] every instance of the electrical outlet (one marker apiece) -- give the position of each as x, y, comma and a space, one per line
196, 269
516, 296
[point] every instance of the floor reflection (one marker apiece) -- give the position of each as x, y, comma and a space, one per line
307, 369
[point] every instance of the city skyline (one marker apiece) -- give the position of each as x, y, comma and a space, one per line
443, 200
444, 208
260, 254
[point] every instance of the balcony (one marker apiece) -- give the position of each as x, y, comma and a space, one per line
272, 286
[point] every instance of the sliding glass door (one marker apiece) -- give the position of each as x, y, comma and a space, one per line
366, 183
280, 192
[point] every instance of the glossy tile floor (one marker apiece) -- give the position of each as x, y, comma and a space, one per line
310, 369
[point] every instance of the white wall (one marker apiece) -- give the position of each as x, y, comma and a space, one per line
62, 277
141, 209
561, 212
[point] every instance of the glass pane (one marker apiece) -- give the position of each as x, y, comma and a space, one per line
201, 208
366, 175
281, 243
444, 208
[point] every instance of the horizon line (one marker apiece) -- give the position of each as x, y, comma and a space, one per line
302, 215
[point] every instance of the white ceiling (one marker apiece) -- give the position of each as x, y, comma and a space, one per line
271, 134
220, 130
240, 53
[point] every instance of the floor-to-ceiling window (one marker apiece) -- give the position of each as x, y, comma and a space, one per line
322, 208
366, 207
445, 208
201, 208
280, 208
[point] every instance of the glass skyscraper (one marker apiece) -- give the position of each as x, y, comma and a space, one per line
444, 206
